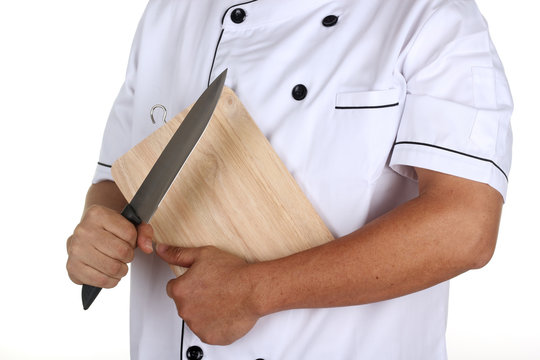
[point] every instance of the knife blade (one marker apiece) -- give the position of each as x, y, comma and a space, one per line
169, 164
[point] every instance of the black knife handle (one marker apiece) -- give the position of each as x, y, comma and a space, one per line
89, 292
130, 214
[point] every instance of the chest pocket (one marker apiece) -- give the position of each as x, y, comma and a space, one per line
360, 134
367, 100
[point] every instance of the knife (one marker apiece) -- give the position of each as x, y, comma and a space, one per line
168, 166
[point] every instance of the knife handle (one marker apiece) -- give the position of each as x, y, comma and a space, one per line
89, 292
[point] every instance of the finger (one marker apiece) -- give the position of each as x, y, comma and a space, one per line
99, 261
104, 242
171, 292
112, 222
145, 235
110, 267
122, 228
116, 249
68, 243
83, 274
184, 257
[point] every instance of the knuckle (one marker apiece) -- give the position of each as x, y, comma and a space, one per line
124, 252
130, 232
106, 282
177, 255
75, 250
82, 233
130, 255
115, 268
208, 249
71, 268
175, 291
111, 284
123, 270
168, 289
101, 281
146, 229
68, 243
94, 212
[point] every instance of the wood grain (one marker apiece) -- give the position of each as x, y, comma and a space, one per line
233, 191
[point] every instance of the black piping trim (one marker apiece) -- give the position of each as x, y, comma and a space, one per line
214, 58
106, 165
367, 107
453, 151
182, 342
220, 35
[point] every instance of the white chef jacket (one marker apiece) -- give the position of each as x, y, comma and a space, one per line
352, 94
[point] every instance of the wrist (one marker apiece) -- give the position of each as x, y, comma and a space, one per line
265, 290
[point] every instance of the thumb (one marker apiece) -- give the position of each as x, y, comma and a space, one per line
184, 257
145, 234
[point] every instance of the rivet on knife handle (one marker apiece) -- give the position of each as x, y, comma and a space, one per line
89, 292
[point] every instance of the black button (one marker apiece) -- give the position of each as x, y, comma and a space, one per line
299, 92
194, 353
238, 16
330, 20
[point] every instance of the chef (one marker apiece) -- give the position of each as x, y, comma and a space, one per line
392, 116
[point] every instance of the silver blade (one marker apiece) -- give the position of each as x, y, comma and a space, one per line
170, 162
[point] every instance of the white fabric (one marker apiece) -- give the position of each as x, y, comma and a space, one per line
393, 85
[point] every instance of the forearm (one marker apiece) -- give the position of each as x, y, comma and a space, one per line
413, 247
107, 194
449, 228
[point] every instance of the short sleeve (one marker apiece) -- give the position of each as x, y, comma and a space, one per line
117, 135
456, 117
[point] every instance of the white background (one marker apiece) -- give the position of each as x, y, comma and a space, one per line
61, 65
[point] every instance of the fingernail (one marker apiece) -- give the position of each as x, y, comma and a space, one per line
161, 248
148, 245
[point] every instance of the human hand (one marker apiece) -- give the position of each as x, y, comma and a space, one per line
214, 296
102, 245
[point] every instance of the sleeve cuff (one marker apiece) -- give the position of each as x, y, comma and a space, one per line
103, 173
407, 155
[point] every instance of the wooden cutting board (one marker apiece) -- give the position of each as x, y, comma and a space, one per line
233, 191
